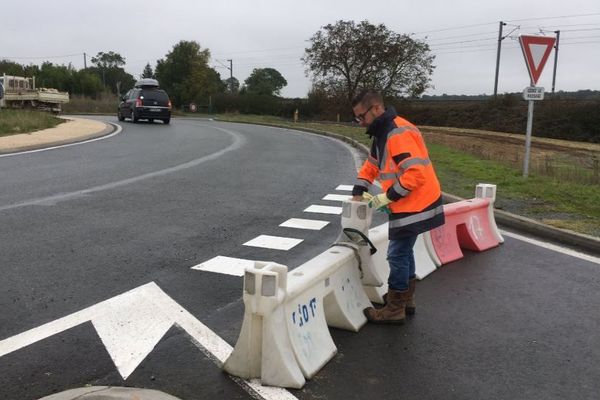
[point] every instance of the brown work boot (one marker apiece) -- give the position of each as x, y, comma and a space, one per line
411, 307
393, 312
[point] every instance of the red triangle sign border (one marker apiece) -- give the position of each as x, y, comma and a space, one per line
526, 41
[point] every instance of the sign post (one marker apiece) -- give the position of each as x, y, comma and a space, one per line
536, 50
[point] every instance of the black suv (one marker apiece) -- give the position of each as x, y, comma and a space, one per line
145, 101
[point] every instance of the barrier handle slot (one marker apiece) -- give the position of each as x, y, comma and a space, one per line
361, 239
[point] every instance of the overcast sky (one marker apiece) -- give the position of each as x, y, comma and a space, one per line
462, 34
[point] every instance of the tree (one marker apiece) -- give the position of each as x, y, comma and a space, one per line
147, 72
184, 73
346, 57
109, 68
265, 81
108, 60
232, 85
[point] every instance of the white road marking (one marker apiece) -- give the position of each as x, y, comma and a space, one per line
299, 223
225, 265
273, 242
347, 188
116, 132
337, 197
324, 209
238, 142
131, 324
553, 247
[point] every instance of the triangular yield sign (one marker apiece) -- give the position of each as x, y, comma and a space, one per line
536, 50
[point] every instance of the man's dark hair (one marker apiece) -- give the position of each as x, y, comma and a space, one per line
368, 97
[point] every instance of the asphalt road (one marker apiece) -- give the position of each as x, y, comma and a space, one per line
83, 224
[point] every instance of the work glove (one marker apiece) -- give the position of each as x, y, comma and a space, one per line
379, 202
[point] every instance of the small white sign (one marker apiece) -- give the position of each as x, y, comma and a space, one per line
533, 93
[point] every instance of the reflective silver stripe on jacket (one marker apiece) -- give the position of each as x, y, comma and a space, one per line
409, 162
422, 216
401, 190
403, 167
388, 175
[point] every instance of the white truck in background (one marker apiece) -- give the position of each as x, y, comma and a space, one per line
20, 92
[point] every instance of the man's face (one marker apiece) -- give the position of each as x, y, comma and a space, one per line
363, 114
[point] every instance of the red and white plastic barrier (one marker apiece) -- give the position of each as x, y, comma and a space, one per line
469, 225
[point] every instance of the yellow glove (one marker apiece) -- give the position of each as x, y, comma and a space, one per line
366, 196
379, 201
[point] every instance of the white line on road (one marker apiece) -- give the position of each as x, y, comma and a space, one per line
553, 247
347, 188
131, 324
238, 142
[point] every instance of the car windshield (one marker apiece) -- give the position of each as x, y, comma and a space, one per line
156, 95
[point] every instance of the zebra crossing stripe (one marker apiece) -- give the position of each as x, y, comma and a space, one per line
337, 197
324, 209
273, 242
347, 188
299, 223
225, 265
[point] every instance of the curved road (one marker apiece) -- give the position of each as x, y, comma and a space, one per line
84, 224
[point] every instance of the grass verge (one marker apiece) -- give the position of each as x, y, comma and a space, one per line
13, 122
560, 203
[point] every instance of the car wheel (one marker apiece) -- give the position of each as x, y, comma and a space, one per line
119, 116
167, 120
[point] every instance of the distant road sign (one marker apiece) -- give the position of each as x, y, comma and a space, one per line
533, 93
193, 107
536, 50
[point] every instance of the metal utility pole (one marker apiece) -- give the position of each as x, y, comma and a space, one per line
230, 68
84, 61
555, 59
500, 38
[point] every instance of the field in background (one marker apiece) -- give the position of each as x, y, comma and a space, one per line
562, 189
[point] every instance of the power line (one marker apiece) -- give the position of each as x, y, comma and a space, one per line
457, 36
560, 16
464, 41
258, 51
46, 57
454, 28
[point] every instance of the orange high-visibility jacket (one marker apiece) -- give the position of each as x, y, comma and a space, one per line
400, 161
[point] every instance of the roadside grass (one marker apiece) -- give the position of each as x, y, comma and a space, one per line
14, 122
106, 103
557, 202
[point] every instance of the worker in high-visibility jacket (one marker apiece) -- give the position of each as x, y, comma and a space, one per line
411, 196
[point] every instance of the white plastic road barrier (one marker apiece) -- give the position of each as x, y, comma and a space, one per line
488, 191
285, 337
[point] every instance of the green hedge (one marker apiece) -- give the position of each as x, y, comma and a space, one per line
577, 120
